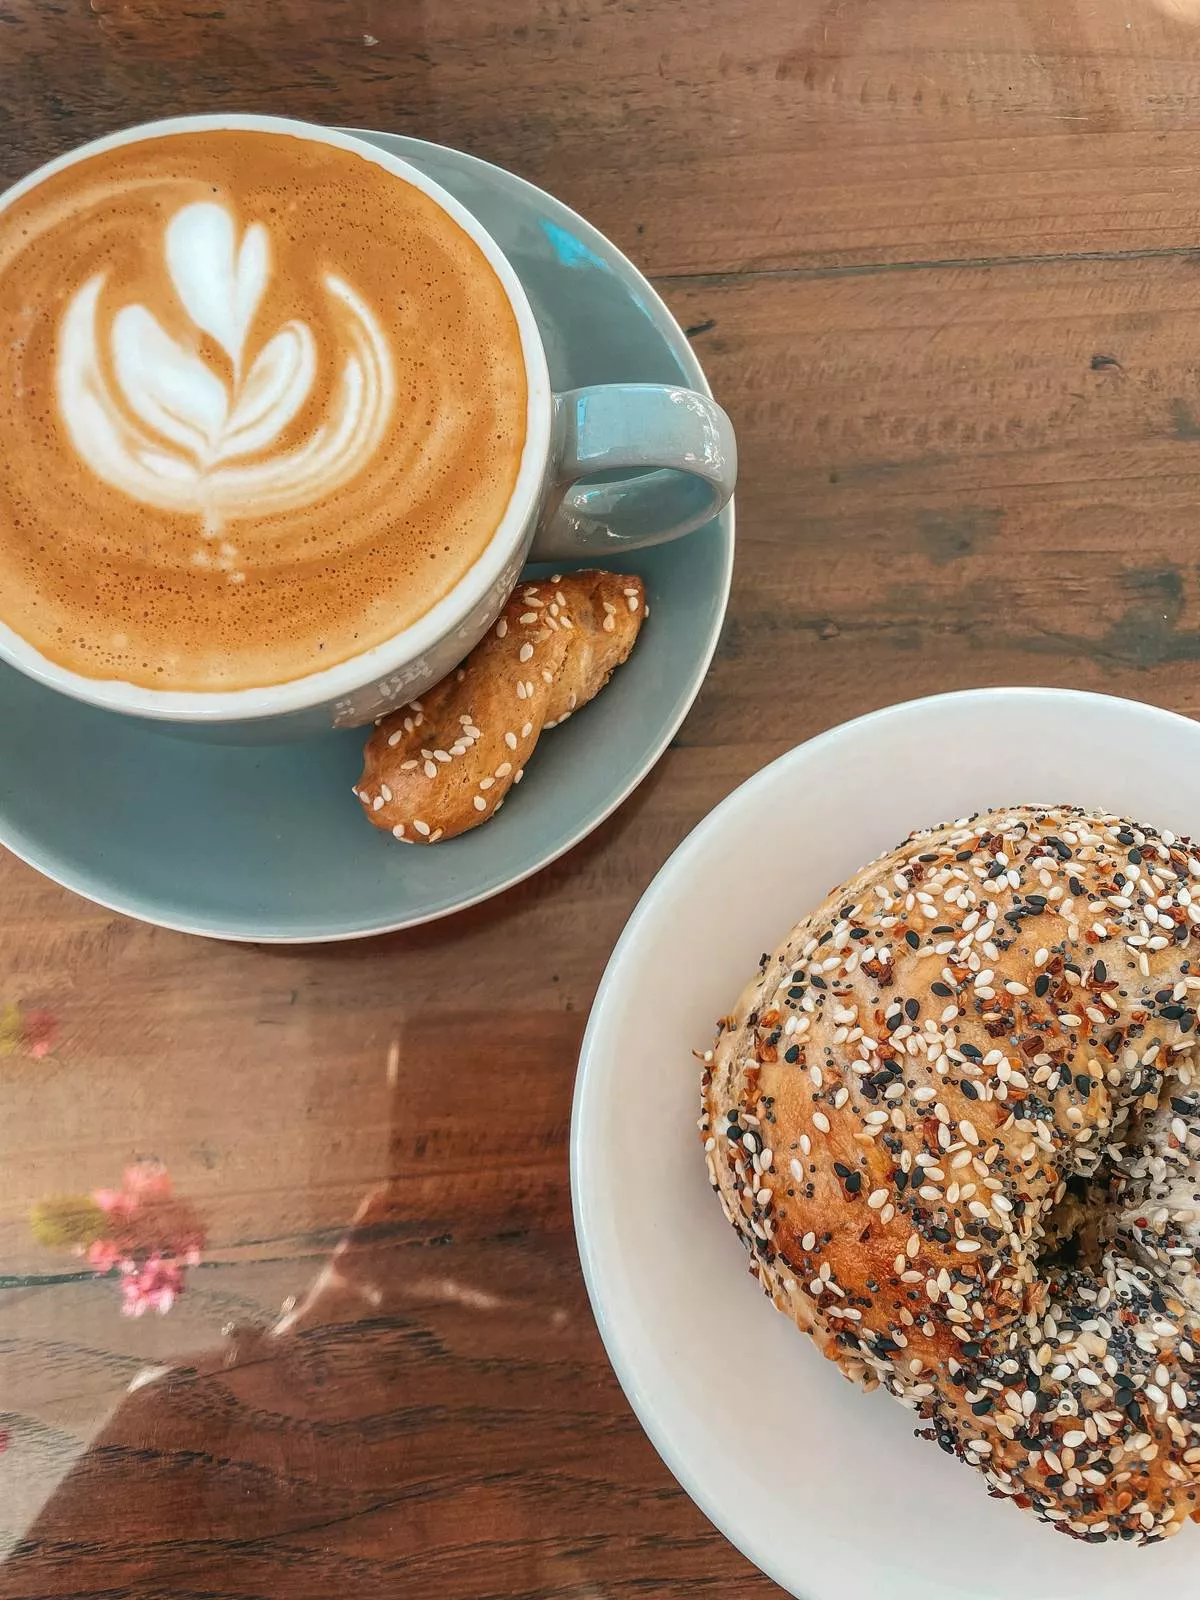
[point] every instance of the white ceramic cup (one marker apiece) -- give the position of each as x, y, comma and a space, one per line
679, 445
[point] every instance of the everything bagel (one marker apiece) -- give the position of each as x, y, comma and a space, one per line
956, 1121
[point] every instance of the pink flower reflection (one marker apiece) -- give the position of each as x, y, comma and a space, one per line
149, 1237
39, 1033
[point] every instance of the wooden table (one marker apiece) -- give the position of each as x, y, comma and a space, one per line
942, 263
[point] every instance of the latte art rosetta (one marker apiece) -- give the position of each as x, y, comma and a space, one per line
173, 433
263, 404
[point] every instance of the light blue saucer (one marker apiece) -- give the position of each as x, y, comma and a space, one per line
267, 843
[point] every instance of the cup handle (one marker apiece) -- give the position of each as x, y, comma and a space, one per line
680, 445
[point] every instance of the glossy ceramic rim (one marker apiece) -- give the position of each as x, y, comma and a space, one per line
587, 1193
347, 677
683, 351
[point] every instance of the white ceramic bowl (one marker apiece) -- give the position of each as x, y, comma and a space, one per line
833, 1496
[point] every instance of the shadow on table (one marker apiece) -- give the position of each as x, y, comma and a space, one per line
433, 1415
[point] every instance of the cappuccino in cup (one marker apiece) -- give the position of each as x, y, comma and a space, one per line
263, 404
278, 433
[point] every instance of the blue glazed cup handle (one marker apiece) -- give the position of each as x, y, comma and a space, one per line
678, 444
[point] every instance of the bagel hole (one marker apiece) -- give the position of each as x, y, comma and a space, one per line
1073, 1233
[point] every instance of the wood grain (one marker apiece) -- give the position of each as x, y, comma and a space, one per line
941, 263
820, 132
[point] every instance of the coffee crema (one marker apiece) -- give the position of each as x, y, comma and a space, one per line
262, 405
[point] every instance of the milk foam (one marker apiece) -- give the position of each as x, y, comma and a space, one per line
168, 430
263, 404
